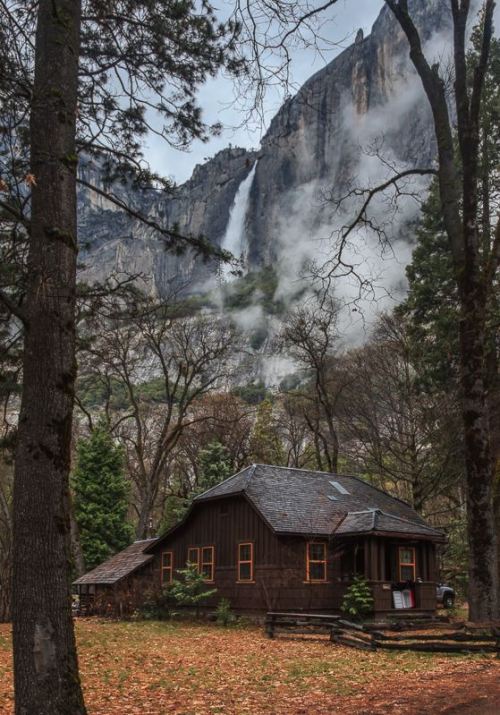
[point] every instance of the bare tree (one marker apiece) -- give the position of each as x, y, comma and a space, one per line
476, 267
393, 430
310, 337
475, 261
182, 359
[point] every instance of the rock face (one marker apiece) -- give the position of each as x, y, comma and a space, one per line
112, 242
367, 100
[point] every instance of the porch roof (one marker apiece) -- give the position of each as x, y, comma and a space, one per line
118, 566
375, 521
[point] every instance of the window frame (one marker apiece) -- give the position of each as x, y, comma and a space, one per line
164, 568
412, 564
210, 563
245, 561
310, 561
189, 561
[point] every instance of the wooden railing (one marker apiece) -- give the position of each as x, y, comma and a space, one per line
460, 640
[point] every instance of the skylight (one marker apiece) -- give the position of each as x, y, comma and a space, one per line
339, 488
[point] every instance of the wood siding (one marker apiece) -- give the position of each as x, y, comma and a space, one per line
279, 568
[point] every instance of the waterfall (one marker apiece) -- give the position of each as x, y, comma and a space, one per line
234, 237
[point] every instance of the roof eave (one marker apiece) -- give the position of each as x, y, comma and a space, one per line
107, 582
439, 538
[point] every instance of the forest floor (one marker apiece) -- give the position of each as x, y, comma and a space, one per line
150, 668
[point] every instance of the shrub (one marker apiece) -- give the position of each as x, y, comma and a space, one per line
157, 606
224, 614
191, 590
358, 600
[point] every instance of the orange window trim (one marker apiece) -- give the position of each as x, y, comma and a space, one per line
245, 561
310, 561
196, 559
412, 563
210, 563
167, 570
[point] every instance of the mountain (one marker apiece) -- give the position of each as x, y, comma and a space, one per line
271, 204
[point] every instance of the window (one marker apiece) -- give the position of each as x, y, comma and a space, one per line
316, 561
245, 562
207, 562
406, 563
167, 567
194, 557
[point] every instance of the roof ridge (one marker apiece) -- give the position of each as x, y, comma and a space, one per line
309, 471
251, 468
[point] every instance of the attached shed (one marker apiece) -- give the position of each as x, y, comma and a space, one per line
119, 583
276, 538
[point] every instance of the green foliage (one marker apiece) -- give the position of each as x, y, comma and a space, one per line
101, 497
157, 605
265, 443
455, 559
258, 337
253, 393
431, 306
191, 590
358, 600
215, 465
224, 614
258, 286
176, 507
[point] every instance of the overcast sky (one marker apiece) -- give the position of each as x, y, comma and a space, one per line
215, 96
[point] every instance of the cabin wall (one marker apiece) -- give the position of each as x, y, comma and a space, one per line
280, 562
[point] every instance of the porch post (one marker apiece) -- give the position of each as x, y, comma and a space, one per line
371, 562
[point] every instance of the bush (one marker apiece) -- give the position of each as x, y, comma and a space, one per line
157, 606
192, 590
358, 600
224, 615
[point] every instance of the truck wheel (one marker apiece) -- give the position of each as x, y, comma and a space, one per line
448, 600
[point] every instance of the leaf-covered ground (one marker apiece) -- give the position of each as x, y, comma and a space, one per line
189, 669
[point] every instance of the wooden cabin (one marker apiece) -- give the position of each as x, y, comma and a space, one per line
277, 538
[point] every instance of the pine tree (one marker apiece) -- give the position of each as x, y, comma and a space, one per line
101, 497
265, 442
215, 465
431, 309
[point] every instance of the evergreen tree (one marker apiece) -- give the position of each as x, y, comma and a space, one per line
101, 497
431, 307
265, 442
215, 465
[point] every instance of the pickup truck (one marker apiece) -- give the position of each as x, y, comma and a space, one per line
445, 595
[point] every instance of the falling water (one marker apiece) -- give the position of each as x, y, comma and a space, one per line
234, 238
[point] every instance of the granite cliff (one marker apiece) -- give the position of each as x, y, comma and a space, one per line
367, 97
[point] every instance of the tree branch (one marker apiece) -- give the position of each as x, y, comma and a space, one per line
175, 239
13, 307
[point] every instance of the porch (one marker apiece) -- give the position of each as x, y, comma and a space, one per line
402, 572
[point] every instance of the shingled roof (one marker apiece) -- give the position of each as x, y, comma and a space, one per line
300, 501
120, 565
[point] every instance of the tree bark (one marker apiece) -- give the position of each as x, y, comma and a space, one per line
45, 662
483, 567
474, 281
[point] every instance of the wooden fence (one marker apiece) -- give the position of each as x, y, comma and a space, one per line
460, 640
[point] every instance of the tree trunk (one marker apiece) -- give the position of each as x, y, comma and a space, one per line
483, 575
144, 527
76, 546
46, 675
